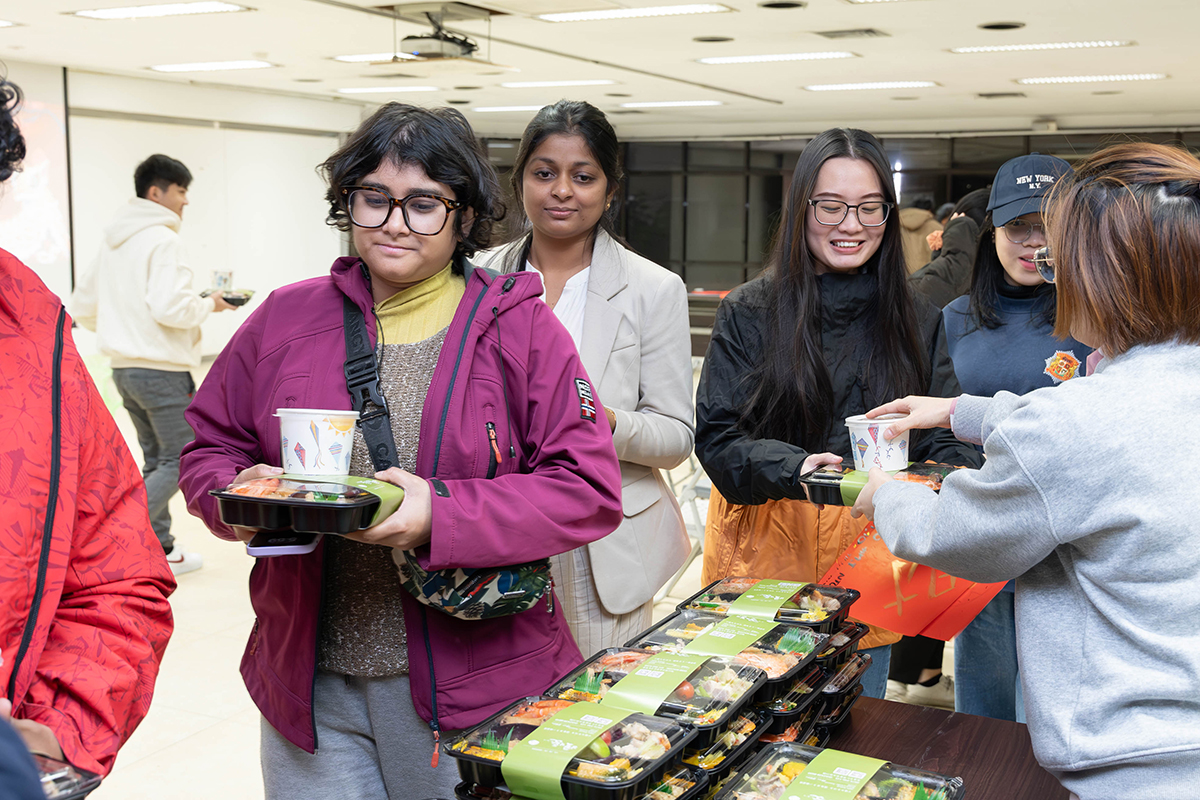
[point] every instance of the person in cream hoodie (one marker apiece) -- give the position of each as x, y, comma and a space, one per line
137, 296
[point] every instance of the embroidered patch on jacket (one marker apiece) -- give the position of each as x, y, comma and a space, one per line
1062, 366
587, 404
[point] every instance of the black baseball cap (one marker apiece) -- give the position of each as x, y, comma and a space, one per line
1021, 185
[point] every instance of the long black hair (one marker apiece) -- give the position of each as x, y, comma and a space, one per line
12, 143
567, 118
793, 395
987, 278
974, 204
441, 142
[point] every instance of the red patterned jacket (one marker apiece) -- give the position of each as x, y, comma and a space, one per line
84, 618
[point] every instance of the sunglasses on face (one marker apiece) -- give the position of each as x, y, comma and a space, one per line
1044, 263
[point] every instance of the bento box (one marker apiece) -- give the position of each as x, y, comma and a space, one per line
698, 691
846, 678
839, 484
680, 783
822, 608
784, 770
780, 649
799, 728
819, 738
841, 646
732, 746
837, 707
61, 781
620, 755
803, 693
335, 504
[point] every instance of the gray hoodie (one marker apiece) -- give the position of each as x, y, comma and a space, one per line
1089, 498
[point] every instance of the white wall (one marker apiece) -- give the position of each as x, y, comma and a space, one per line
256, 202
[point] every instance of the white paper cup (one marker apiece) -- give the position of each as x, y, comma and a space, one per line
869, 447
316, 441
222, 279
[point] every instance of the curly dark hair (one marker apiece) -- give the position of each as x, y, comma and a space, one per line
12, 143
441, 142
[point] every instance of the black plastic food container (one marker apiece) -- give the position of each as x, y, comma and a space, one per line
837, 707
685, 783
842, 645
824, 484
804, 692
308, 506
850, 674
717, 597
801, 726
726, 753
891, 782
523, 717
772, 653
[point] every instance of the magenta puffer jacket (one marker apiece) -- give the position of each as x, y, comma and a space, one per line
561, 491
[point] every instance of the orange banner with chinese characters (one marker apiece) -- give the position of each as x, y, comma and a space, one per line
904, 597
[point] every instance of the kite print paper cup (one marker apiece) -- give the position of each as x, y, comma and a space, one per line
869, 447
314, 441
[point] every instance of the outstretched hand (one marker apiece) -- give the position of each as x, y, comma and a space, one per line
37, 737
249, 474
921, 412
865, 504
412, 523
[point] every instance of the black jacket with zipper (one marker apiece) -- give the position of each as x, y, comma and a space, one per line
948, 275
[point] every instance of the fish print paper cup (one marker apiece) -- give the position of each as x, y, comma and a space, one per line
869, 447
316, 441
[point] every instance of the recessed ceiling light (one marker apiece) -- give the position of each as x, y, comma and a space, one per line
159, 10
849, 87
1145, 76
458, 102
776, 57
387, 89
712, 39
212, 66
467, 88
635, 13
617, 94
1012, 48
553, 84
502, 109
369, 57
6, 24
1002, 26
673, 104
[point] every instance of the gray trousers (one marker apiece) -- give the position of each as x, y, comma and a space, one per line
156, 400
370, 744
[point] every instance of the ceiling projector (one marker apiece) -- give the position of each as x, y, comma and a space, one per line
438, 44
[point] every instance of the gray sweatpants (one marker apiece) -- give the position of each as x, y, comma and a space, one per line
370, 744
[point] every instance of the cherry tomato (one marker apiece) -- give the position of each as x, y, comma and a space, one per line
685, 691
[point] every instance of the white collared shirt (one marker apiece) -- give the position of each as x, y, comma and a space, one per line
571, 303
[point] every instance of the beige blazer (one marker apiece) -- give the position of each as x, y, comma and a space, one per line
636, 348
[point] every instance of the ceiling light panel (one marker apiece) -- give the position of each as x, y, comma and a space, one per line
1145, 76
366, 58
552, 84
850, 87
777, 57
212, 66
160, 10
6, 24
636, 13
673, 104
387, 89
1016, 48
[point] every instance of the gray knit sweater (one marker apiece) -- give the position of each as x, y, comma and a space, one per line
1090, 498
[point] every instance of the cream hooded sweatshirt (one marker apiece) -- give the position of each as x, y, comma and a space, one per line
137, 295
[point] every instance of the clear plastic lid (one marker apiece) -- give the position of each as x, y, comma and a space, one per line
704, 699
636, 745
296, 491
810, 604
748, 725
769, 775
850, 673
780, 652
801, 693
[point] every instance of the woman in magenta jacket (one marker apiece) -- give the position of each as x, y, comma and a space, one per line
504, 462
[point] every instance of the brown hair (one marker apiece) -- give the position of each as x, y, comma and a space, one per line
1124, 231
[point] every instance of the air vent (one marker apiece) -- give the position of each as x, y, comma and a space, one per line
400, 75
999, 95
854, 33
625, 111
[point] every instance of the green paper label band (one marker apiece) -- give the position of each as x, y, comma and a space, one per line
853, 483
390, 496
534, 767
833, 775
656, 679
764, 599
730, 636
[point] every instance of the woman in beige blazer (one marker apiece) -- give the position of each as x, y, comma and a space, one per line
628, 317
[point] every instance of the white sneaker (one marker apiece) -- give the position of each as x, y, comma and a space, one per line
896, 691
940, 695
182, 561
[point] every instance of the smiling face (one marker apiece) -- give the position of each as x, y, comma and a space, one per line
564, 189
845, 247
1017, 259
396, 257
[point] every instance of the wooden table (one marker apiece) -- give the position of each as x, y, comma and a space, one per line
994, 758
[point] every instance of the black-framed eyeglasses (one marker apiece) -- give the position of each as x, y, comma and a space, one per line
1018, 231
1044, 263
833, 212
424, 214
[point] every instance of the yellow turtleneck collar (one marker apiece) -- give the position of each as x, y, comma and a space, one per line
418, 312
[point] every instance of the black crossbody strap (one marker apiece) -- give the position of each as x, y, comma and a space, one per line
362, 380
